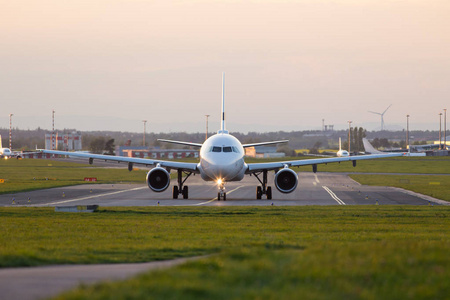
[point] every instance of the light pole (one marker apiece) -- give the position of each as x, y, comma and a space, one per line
53, 130
143, 140
206, 136
440, 129
349, 132
10, 131
407, 132
445, 128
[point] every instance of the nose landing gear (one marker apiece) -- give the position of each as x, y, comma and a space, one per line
221, 194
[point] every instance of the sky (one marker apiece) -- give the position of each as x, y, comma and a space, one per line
109, 64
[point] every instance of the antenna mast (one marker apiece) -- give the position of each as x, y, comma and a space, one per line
222, 126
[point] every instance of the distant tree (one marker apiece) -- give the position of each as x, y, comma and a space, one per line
361, 135
287, 150
376, 143
97, 145
315, 148
355, 139
384, 143
109, 147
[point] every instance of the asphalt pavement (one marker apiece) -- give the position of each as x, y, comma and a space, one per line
313, 189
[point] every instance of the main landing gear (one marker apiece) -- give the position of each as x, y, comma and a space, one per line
263, 189
221, 194
180, 189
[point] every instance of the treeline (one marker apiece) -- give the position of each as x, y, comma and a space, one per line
29, 139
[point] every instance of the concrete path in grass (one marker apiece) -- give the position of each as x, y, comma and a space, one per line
34, 283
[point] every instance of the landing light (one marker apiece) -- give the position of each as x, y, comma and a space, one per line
219, 181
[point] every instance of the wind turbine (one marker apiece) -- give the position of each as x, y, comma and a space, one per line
381, 114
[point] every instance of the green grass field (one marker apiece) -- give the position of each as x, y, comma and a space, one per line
33, 174
352, 252
419, 165
434, 186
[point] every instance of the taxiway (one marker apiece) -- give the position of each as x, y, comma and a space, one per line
313, 189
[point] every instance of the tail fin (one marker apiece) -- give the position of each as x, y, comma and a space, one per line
222, 122
369, 148
1, 142
340, 144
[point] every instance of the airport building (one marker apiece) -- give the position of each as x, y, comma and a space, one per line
155, 153
64, 141
263, 152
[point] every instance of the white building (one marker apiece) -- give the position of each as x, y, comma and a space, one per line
64, 141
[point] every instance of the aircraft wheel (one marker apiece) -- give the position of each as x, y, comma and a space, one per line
258, 192
218, 196
269, 193
185, 192
175, 192
224, 196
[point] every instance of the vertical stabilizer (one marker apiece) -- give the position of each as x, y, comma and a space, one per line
340, 144
222, 116
1, 142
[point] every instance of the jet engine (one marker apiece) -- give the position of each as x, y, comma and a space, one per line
286, 180
158, 179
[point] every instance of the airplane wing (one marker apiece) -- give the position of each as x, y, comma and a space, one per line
181, 143
192, 167
256, 167
264, 143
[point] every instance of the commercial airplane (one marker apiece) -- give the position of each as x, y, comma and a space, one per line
341, 153
222, 161
4, 152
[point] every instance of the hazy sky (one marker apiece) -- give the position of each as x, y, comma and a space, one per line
110, 64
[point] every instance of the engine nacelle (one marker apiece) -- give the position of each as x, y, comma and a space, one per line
286, 180
158, 179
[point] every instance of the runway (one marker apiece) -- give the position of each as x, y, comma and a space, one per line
313, 189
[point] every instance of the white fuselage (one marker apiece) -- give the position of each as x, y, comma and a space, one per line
222, 157
5, 152
342, 153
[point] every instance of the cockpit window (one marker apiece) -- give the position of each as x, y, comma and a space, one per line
224, 149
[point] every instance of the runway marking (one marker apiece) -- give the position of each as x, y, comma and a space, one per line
216, 197
91, 197
333, 195
317, 179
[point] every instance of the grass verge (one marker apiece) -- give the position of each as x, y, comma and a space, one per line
354, 252
34, 174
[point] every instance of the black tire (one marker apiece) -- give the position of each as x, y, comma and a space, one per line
258, 192
185, 192
175, 192
224, 196
269, 193
218, 196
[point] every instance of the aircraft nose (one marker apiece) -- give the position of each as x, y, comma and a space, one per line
225, 170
